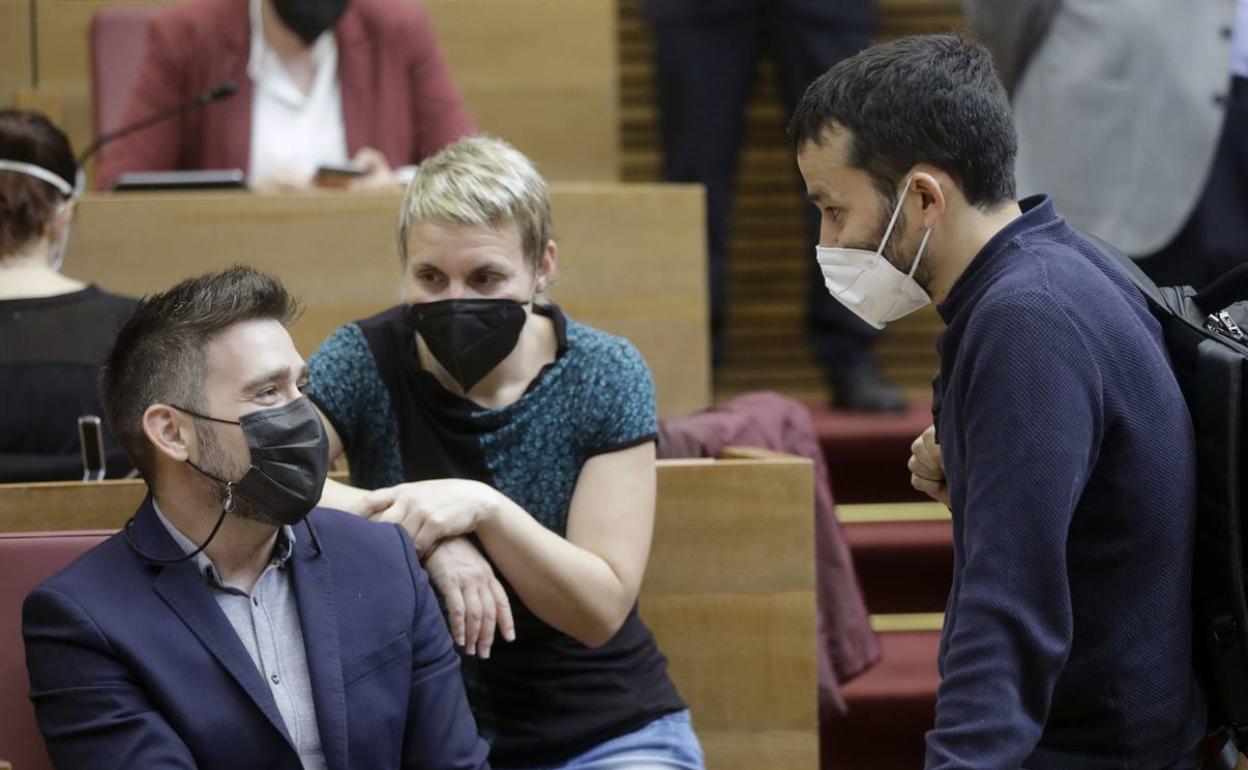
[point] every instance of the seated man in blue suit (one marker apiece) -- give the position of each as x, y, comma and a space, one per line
231, 624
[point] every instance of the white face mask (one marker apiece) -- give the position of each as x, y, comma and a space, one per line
70, 193
868, 284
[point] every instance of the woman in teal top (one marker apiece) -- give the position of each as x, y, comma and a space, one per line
510, 439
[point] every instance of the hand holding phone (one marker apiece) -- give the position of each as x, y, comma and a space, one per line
338, 176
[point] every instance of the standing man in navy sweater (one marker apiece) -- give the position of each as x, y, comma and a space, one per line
1066, 444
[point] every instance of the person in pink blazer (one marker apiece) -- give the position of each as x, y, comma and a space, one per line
319, 82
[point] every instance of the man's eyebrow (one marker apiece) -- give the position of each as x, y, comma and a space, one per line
818, 195
268, 378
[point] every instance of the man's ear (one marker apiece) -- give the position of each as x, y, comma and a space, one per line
546, 267
931, 191
169, 431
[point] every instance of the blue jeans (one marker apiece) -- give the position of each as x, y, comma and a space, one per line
667, 743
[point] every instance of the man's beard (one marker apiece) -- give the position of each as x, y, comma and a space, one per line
892, 251
214, 459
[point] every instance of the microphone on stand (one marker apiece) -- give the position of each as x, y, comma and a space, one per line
202, 99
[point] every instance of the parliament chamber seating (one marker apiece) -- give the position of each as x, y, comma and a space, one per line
543, 74
729, 593
552, 77
904, 556
27, 560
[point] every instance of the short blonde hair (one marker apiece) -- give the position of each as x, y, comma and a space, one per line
479, 180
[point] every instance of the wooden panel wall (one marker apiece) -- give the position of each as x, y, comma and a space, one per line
15, 53
542, 74
768, 252
630, 260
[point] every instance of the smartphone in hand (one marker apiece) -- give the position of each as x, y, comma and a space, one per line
337, 175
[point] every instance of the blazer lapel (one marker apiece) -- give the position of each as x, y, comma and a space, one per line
314, 593
182, 588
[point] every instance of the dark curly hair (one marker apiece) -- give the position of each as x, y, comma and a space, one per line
924, 99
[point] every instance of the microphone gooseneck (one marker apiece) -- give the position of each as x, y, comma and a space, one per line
202, 99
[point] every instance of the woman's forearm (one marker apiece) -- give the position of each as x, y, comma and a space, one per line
343, 497
570, 588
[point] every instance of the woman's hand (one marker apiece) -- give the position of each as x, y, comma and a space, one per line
283, 180
377, 172
927, 469
476, 603
432, 511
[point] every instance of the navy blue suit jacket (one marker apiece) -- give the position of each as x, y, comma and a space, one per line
133, 664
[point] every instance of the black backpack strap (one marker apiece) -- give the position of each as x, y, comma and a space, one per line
1232, 287
1137, 276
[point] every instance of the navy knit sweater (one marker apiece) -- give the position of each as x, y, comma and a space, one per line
1071, 466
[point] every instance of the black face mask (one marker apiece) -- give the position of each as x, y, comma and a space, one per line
469, 337
289, 460
309, 18
289, 464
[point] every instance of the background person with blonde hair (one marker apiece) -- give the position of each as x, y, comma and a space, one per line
493, 426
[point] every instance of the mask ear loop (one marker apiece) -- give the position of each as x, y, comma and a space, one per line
226, 507
888, 231
922, 248
62, 244
70, 193
39, 172
913, 269
896, 213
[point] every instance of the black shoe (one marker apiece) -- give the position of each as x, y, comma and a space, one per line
864, 389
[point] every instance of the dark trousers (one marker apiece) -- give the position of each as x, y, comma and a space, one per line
1215, 237
705, 69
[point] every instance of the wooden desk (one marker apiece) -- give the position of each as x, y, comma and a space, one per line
542, 74
631, 261
729, 593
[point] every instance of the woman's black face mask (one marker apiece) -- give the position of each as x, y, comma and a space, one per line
468, 337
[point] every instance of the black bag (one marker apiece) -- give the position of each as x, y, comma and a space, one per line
1206, 334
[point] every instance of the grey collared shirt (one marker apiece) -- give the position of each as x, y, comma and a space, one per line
267, 622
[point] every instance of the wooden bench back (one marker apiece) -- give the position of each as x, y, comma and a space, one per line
632, 261
729, 593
